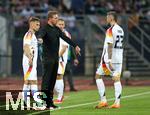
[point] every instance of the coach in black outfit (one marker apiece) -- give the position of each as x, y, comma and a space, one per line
50, 35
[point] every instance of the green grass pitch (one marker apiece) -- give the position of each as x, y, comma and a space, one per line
135, 101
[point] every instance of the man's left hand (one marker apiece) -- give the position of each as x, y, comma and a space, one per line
76, 62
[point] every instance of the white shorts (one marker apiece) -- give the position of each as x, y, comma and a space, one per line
30, 73
104, 69
61, 67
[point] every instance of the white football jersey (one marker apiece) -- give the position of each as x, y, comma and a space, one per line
114, 35
30, 39
62, 43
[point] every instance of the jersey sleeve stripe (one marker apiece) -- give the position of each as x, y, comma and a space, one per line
28, 73
109, 33
29, 35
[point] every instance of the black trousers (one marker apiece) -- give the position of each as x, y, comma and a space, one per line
49, 78
69, 75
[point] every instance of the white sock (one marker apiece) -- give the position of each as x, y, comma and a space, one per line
34, 89
56, 88
118, 90
101, 89
59, 87
26, 88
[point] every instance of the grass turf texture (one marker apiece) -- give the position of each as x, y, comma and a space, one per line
83, 103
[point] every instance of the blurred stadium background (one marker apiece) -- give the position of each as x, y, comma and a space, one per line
86, 22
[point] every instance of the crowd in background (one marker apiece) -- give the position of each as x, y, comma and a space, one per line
75, 6
30, 7
21, 10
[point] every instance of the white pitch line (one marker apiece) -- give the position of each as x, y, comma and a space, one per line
83, 104
16, 94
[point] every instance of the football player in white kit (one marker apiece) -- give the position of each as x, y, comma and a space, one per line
111, 61
30, 53
63, 56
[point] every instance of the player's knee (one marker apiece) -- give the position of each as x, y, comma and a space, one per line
33, 82
97, 76
26, 82
116, 77
59, 77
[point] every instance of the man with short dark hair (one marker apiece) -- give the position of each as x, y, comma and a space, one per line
30, 54
50, 35
111, 61
63, 55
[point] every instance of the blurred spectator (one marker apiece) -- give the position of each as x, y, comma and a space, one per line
118, 6
133, 20
77, 6
148, 15
3, 8
71, 25
55, 3
19, 21
35, 3
110, 6
66, 6
101, 7
15, 11
72, 60
90, 7
70, 20
27, 12
44, 5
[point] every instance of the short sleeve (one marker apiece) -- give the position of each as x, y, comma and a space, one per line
28, 38
63, 42
109, 36
67, 34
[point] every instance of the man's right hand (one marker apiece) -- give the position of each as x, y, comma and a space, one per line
77, 49
30, 56
110, 65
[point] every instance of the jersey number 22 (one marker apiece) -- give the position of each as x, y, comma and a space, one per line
119, 41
